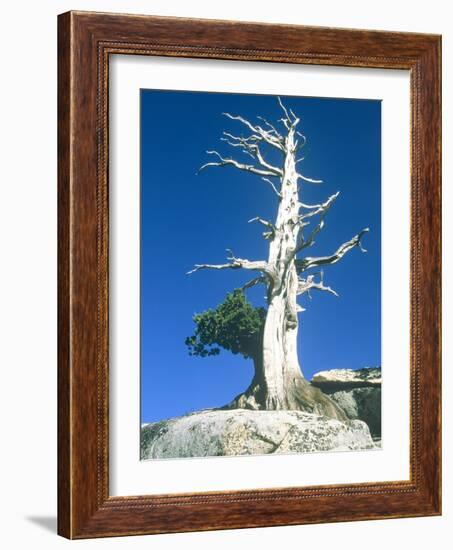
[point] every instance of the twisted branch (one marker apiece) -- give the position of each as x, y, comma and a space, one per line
253, 282
305, 285
322, 210
272, 137
272, 229
319, 208
307, 263
271, 171
238, 263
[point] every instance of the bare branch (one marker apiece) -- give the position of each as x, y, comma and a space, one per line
306, 243
306, 285
303, 137
285, 123
292, 114
250, 139
260, 133
239, 165
254, 149
307, 263
237, 263
321, 209
308, 206
272, 128
251, 148
263, 222
253, 282
245, 150
309, 180
277, 192
272, 229
288, 118
198, 267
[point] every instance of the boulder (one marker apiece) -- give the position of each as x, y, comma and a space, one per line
357, 392
363, 404
248, 432
335, 379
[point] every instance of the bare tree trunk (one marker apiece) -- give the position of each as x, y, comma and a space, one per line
278, 382
291, 392
284, 384
280, 361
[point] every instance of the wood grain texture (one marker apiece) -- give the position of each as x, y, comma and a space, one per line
64, 368
86, 40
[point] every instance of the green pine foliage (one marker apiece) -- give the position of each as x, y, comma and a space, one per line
235, 325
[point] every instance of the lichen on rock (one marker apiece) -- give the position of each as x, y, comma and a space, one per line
247, 432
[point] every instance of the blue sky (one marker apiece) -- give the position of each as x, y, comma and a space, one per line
188, 219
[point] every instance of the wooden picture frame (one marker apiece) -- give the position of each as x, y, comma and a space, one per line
85, 42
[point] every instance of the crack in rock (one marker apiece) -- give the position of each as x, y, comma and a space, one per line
246, 432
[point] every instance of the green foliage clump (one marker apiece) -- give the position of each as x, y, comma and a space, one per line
235, 325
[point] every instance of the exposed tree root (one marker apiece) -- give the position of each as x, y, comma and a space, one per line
299, 396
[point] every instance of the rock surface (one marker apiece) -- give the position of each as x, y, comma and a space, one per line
245, 432
347, 378
357, 392
363, 404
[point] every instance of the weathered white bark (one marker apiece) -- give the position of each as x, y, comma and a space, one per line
278, 382
280, 360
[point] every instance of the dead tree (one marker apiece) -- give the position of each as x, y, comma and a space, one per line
287, 272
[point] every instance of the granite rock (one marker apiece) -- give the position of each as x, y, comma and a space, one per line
247, 432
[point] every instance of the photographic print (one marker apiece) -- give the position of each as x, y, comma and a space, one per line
230, 281
260, 277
